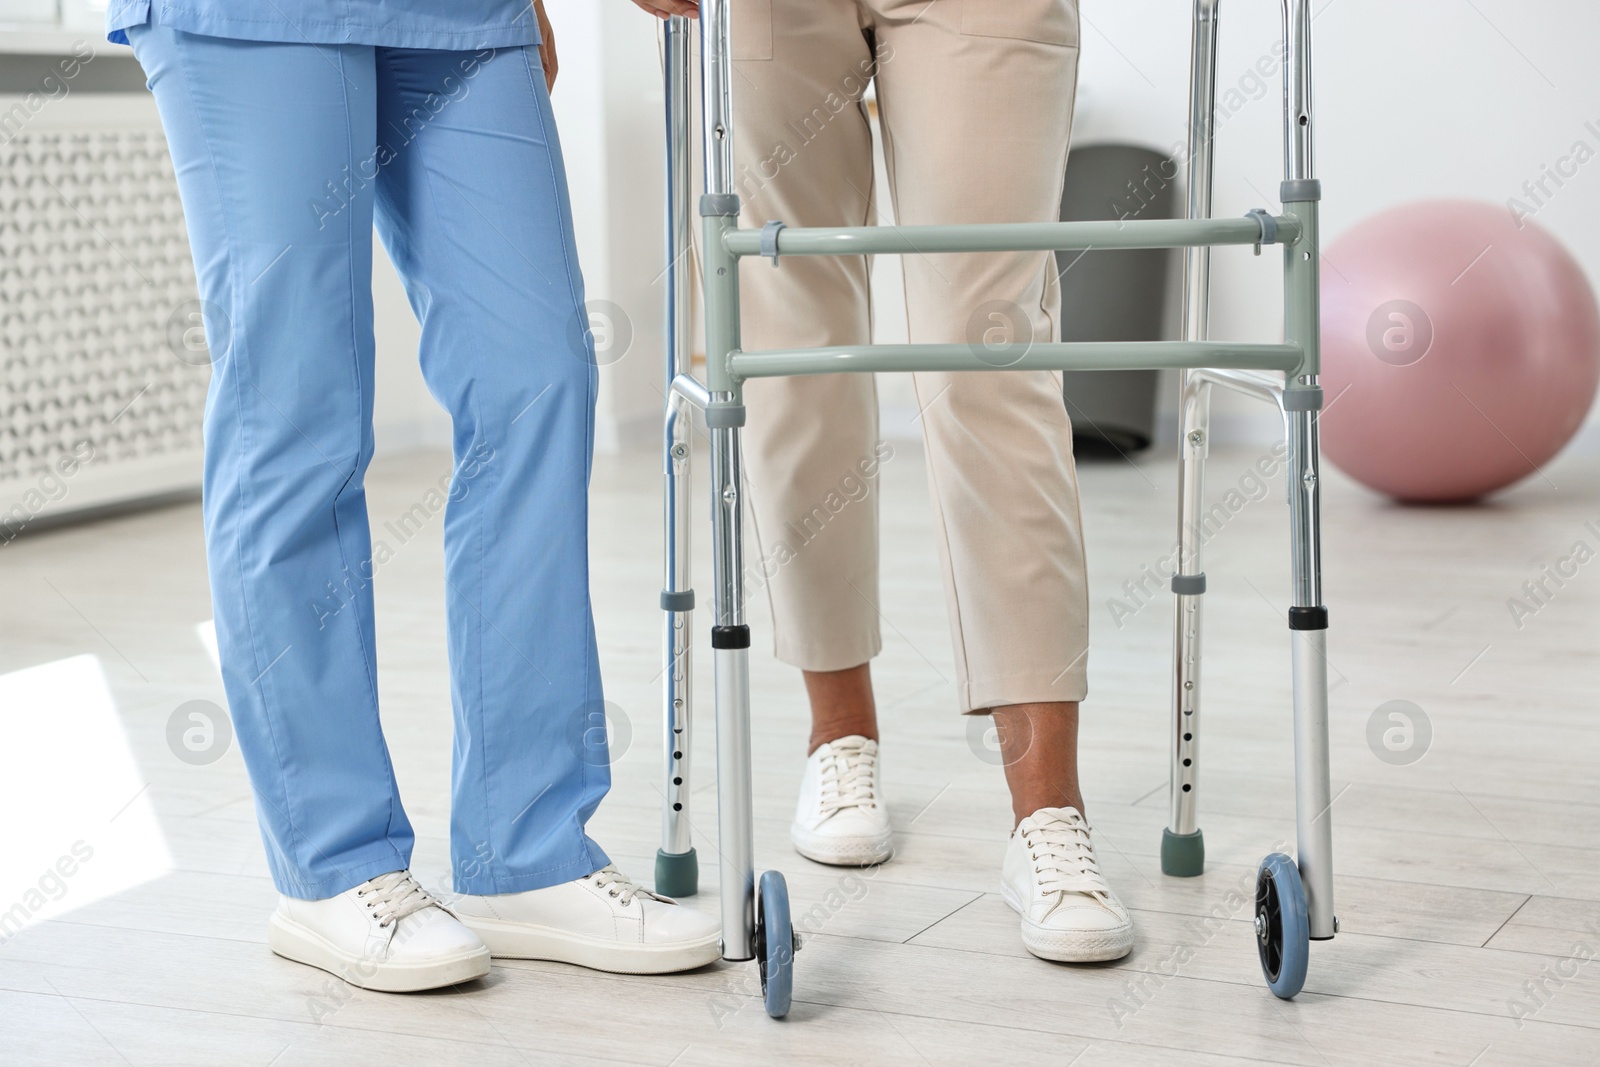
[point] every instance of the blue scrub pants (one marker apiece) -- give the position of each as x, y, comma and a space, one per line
286, 155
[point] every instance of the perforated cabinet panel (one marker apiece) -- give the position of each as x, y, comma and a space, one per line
101, 352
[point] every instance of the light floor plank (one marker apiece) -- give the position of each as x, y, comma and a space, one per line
1464, 880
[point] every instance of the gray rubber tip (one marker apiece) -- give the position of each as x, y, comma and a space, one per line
677, 875
1182, 855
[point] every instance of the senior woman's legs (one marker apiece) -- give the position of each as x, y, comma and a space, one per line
976, 112
811, 446
812, 450
975, 102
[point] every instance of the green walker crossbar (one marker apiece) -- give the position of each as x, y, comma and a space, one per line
1294, 897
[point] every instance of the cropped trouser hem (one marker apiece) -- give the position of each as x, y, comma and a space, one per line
828, 654
981, 695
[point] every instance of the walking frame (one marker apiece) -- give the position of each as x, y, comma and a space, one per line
1294, 898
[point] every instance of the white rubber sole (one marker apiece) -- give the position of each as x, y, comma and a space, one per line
1070, 946
527, 941
301, 944
841, 851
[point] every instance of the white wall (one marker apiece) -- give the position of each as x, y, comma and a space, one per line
1421, 99
608, 105
608, 109
404, 413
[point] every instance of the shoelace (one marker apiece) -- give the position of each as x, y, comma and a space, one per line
391, 897
619, 885
1063, 855
849, 775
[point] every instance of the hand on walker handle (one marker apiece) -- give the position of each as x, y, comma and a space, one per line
547, 46
663, 9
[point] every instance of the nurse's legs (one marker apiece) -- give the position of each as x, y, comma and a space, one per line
472, 205
278, 156
812, 450
269, 142
473, 208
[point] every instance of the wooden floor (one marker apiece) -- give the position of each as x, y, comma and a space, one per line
1468, 881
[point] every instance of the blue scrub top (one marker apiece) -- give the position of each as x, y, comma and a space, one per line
454, 25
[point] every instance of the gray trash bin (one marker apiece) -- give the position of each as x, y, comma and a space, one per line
1121, 295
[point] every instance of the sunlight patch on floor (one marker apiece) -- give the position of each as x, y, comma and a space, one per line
80, 822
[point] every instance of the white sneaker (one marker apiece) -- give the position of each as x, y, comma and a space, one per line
841, 818
603, 920
386, 934
1052, 880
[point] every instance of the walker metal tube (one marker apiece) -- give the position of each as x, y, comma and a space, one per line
677, 870
1250, 383
1299, 162
1189, 588
730, 637
716, 95
1059, 355
1308, 617
1201, 166
686, 386
1313, 783
678, 605
1182, 844
1006, 237
735, 819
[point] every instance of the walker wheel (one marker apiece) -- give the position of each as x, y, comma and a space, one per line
775, 943
1283, 937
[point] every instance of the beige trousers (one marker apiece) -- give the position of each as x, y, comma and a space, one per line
975, 102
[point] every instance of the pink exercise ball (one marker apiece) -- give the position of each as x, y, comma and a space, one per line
1460, 350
